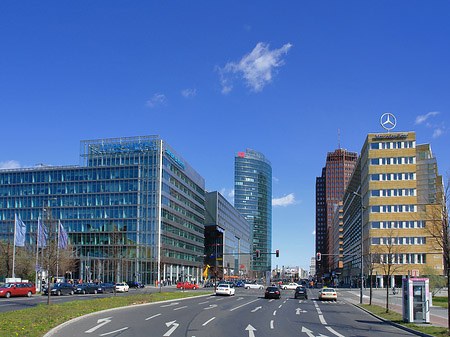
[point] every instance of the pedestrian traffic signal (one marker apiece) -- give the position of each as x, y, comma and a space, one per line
319, 256
258, 254
277, 254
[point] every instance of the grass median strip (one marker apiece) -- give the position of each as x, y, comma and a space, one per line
398, 319
38, 320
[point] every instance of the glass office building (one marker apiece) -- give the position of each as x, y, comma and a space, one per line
132, 201
253, 199
227, 239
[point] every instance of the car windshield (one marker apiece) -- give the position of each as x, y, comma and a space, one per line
223, 285
7, 285
328, 290
272, 289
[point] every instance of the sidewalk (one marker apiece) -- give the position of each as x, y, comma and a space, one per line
438, 315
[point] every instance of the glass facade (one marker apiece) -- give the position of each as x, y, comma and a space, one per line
228, 239
134, 209
253, 199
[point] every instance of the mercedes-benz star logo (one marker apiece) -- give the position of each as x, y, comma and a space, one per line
388, 121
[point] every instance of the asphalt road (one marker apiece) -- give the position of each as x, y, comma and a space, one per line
245, 314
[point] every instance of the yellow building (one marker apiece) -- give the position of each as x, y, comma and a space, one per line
401, 197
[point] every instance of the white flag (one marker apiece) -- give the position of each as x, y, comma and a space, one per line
20, 231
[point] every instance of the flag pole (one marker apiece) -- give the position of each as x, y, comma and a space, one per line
37, 254
14, 249
57, 251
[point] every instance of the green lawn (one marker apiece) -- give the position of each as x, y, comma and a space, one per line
398, 318
37, 321
440, 301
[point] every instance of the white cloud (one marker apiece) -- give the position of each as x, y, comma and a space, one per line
228, 194
284, 201
11, 164
157, 99
189, 93
422, 118
275, 179
437, 132
256, 68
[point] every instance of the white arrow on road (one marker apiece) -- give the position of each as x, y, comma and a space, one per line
172, 329
256, 309
211, 306
101, 322
310, 333
250, 330
299, 311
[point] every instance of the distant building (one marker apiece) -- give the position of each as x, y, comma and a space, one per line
400, 188
253, 199
330, 187
312, 267
227, 239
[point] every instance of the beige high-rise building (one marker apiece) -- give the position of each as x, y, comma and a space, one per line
402, 199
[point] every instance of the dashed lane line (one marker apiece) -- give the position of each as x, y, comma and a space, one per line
115, 331
180, 308
148, 318
209, 320
242, 305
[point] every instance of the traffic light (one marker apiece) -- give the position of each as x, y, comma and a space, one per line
277, 254
319, 256
258, 254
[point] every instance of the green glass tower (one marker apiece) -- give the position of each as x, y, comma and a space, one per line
253, 199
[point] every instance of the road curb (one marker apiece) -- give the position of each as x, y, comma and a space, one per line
73, 320
418, 333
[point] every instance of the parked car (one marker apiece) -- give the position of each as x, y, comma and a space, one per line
208, 284
253, 286
136, 285
300, 292
225, 289
86, 288
290, 286
105, 288
328, 294
17, 289
239, 284
187, 285
122, 287
272, 292
59, 289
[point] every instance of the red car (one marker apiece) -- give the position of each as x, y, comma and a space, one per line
187, 285
17, 289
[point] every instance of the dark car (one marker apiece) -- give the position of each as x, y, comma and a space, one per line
136, 285
209, 284
86, 288
106, 288
239, 284
300, 292
60, 289
272, 292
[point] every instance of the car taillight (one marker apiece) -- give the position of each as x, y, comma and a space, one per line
266, 291
278, 292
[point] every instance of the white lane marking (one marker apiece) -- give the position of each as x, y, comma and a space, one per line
169, 305
284, 302
271, 300
256, 309
172, 329
211, 306
204, 302
300, 302
322, 320
274, 313
280, 306
101, 322
209, 320
110, 333
152, 317
180, 308
271, 324
240, 298
330, 329
250, 330
242, 305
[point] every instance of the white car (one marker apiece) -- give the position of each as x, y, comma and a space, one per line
122, 287
291, 286
253, 286
225, 289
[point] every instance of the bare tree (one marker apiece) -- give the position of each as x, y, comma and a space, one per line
388, 255
437, 226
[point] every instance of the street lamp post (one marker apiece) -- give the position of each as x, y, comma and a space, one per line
49, 228
362, 230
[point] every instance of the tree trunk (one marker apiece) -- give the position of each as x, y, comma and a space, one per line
370, 291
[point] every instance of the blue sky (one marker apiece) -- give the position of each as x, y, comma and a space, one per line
214, 78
